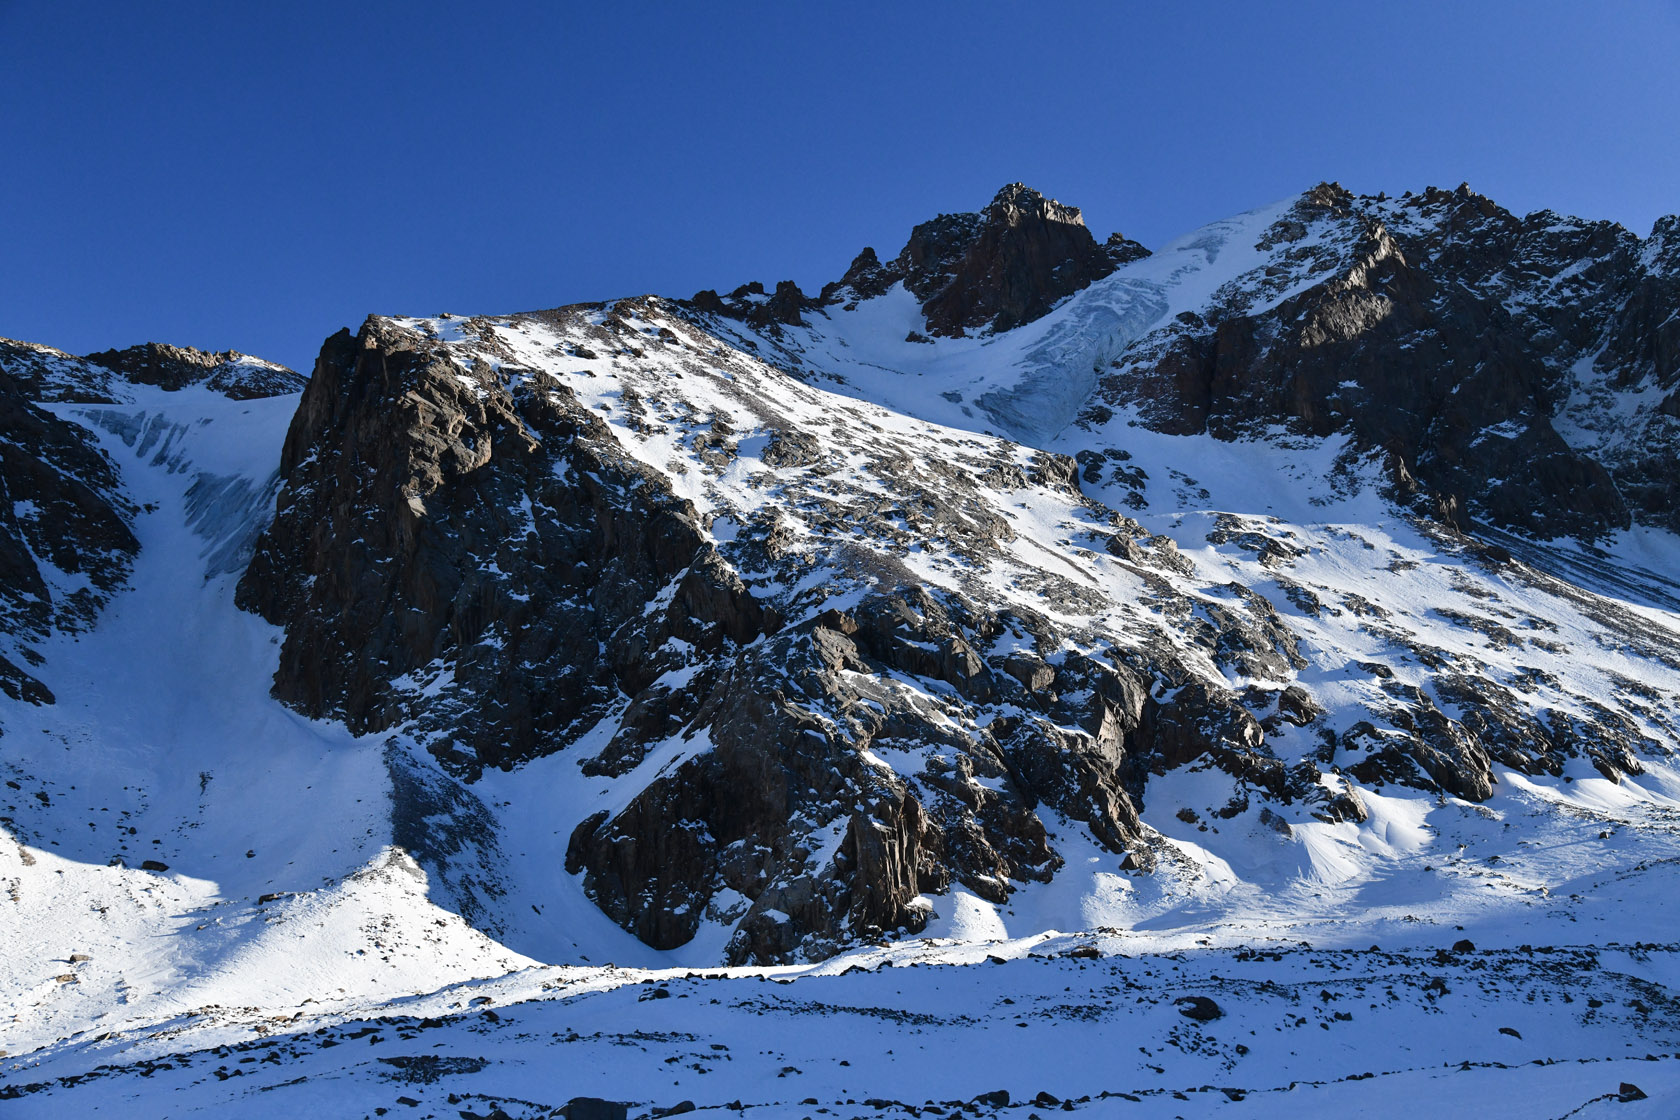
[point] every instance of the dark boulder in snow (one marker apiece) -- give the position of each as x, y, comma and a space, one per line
593, 1108
1200, 1008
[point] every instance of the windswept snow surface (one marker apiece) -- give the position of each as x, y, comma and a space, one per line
291, 959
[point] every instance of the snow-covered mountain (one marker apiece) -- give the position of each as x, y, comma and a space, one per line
1167, 625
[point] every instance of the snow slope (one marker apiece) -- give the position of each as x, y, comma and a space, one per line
164, 746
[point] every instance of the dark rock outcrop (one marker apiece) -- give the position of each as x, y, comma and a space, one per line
1024, 253
229, 372
66, 545
433, 522
1200, 1008
767, 765
993, 270
1442, 332
755, 307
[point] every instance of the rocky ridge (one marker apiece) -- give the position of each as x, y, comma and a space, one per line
991, 270
1491, 359
48, 375
600, 603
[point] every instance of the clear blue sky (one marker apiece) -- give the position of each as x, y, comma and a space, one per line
255, 176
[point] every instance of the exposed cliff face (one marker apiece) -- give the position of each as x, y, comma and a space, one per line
993, 270
430, 509
65, 539
1479, 351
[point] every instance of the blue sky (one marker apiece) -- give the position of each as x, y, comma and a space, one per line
255, 176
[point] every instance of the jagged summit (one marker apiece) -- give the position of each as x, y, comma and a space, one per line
1016, 202
988, 270
1007, 265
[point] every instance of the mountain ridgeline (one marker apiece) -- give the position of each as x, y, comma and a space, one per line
810, 613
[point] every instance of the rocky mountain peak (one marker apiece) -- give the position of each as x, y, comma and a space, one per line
994, 269
1017, 203
1121, 249
988, 270
865, 277
1332, 197
1007, 266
